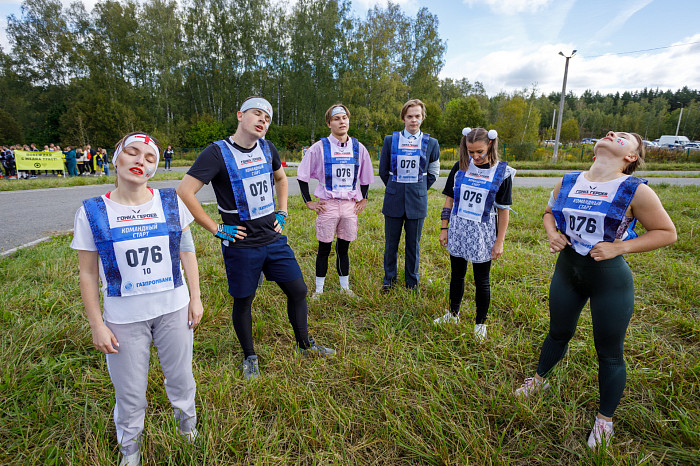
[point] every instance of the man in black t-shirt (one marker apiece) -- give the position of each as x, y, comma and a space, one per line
242, 169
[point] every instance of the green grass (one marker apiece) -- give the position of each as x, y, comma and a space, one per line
51, 182
400, 391
447, 164
546, 174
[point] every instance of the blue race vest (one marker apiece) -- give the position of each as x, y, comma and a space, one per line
588, 216
251, 179
127, 250
408, 158
337, 169
476, 192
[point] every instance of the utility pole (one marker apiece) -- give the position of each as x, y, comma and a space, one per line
679, 119
561, 106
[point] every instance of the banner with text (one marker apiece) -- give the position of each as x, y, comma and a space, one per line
27, 160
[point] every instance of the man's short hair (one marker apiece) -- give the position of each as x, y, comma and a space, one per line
330, 110
413, 103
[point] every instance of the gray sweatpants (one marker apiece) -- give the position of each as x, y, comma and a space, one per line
128, 370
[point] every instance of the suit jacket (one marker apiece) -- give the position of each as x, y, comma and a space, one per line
410, 199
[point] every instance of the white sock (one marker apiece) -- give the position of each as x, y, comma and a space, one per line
320, 281
345, 282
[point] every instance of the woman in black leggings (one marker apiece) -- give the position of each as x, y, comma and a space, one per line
590, 221
475, 219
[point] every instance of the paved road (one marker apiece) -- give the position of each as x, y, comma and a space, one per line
34, 215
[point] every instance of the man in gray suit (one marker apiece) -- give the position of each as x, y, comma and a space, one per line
409, 164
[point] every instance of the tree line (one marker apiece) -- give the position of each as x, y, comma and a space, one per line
180, 72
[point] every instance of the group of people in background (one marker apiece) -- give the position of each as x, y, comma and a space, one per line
7, 159
78, 161
137, 241
85, 161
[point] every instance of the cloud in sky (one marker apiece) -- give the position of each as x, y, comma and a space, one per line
510, 7
621, 18
517, 69
489, 42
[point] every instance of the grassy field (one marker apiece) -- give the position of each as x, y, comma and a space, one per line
401, 391
51, 182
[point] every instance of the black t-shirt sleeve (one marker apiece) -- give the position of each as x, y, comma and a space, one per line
450, 183
208, 164
504, 194
276, 161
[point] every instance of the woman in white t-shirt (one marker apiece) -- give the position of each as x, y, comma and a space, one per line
137, 241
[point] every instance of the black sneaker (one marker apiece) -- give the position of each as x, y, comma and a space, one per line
316, 350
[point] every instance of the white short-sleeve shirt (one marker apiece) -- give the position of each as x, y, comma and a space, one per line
136, 308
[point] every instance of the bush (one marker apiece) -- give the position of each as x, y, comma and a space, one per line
204, 131
521, 151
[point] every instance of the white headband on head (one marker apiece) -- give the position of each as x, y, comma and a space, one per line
259, 103
492, 134
337, 110
146, 139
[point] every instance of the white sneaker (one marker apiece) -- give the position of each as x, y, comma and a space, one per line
316, 296
448, 318
133, 459
190, 436
480, 332
348, 292
601, 434
531, 387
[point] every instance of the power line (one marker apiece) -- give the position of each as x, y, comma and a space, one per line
643, 50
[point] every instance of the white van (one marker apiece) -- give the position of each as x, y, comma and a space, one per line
673, 141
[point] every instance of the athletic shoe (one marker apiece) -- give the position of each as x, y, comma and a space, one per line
480, 332
387, 288
448, 318
348, 292
531, 387
261, 279
191, 436
133, 459
250, 368
316, 296
601, 434
315, 349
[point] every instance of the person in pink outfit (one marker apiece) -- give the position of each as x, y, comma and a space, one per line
344, 171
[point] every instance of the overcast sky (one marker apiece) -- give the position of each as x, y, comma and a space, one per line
513, 44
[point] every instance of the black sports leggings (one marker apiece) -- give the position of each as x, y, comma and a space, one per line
296, 312
482, 293
610, 288
342, 259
